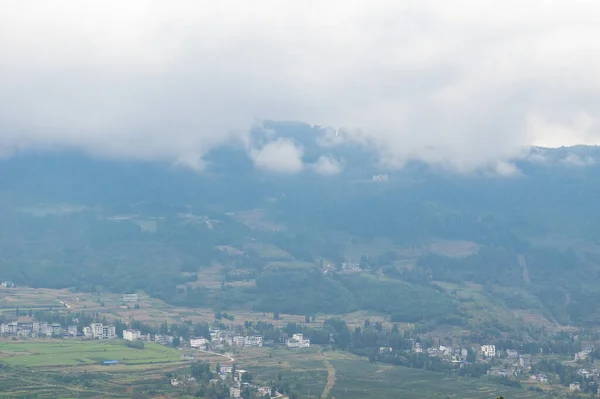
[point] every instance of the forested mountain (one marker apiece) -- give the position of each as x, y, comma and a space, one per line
531, 238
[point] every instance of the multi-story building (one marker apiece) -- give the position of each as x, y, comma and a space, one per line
109, 332
488, 350
253, 341
239, 340
97, 330
132, 335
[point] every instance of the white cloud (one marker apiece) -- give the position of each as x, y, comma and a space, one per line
576, 160
327, 166
465, 83
281, 155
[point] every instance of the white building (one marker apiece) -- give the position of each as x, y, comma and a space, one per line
97, 330
130, 297
488, 350
253, 341
87, 331
199, 342
72, 331
131, 335
298, 341
512, 354
109, 332
239, 340
226, 369
235, 393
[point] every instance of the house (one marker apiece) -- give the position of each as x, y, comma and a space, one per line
542, 378
130, 297
583, 354
235, 393
263, 391
199, 342
239, 374
417, 347
524, 360
161, 339
384, 349
380, 178
226, 369
574, 386
175, 382
298, 341
132, 335
488, 350
512, 354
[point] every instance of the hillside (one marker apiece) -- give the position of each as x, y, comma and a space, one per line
423, 245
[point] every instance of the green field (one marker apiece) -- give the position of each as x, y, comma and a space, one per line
359, 379
74, 353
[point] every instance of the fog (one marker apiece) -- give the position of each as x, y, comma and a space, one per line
462, 84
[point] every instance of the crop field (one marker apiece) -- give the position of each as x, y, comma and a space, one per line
359, 379
343, 375
76, 353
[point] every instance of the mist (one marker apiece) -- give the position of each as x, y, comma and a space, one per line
463, 85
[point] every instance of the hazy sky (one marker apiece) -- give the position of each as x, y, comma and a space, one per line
464, 83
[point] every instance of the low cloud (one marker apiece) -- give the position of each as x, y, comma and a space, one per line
576, 160
280, 156
448, 83
327, 166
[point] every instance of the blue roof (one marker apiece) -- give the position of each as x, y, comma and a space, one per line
111, 362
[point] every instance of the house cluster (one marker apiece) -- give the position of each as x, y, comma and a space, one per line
584, 354
7, 284
448, 353
38, 329
100, 331
238, 385
136, 335
350, 267
220, 338
298, 341
380, 178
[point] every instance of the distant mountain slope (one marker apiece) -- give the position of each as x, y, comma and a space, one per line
72, 221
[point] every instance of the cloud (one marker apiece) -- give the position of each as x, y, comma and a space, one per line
281, 155
576, 160
327, 166
449, 83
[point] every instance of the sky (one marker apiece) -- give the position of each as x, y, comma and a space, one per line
464, 84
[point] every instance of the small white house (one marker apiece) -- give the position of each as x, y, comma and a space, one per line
130, 297
298, 341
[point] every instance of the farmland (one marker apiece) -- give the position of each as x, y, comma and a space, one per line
76, 353
62, 368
